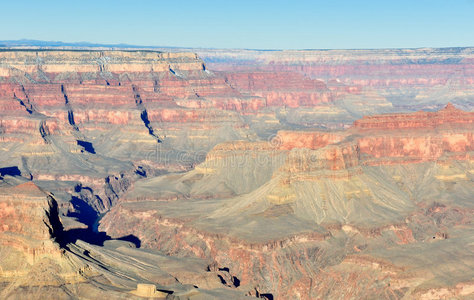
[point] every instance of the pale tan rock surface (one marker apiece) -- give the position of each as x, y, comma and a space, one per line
336, 174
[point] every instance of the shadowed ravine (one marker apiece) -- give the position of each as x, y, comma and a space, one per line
237, 174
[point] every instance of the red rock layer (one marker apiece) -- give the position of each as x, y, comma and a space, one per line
143, 95
290, 89
426, 137
287, 265
306, 139
311, 151
28, 223
352, 71
450, 115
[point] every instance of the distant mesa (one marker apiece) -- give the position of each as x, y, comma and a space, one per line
450, 115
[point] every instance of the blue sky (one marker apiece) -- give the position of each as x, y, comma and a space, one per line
253, 24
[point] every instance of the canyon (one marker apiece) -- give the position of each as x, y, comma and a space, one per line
238, 174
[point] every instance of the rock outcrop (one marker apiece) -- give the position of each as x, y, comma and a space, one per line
40, 259
364, 187
269, 174
449, 116
23, 208
401, 79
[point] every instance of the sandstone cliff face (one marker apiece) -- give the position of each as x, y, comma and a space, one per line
406, 78
30, 225
449, 116
289, 89
357, 186
67, 112
15, 62
79, 88
23, 207
232, 177
40, 259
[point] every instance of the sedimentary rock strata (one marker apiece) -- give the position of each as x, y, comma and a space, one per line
234, 174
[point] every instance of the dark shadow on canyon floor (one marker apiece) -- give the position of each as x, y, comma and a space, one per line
85, 214
12, 171
94, 238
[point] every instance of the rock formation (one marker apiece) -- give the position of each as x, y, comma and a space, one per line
330, 196
269, 174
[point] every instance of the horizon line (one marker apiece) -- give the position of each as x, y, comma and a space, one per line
77, 45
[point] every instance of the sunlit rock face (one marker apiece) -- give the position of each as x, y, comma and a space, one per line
233, 173
405, 78
24, 207
29, 226
325, 206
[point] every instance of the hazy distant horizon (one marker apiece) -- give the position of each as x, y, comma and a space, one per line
85, 44
267, 25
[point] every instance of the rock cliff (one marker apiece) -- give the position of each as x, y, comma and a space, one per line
269, 174
363, 187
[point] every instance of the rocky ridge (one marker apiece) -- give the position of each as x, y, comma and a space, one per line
259, 174
313, 191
